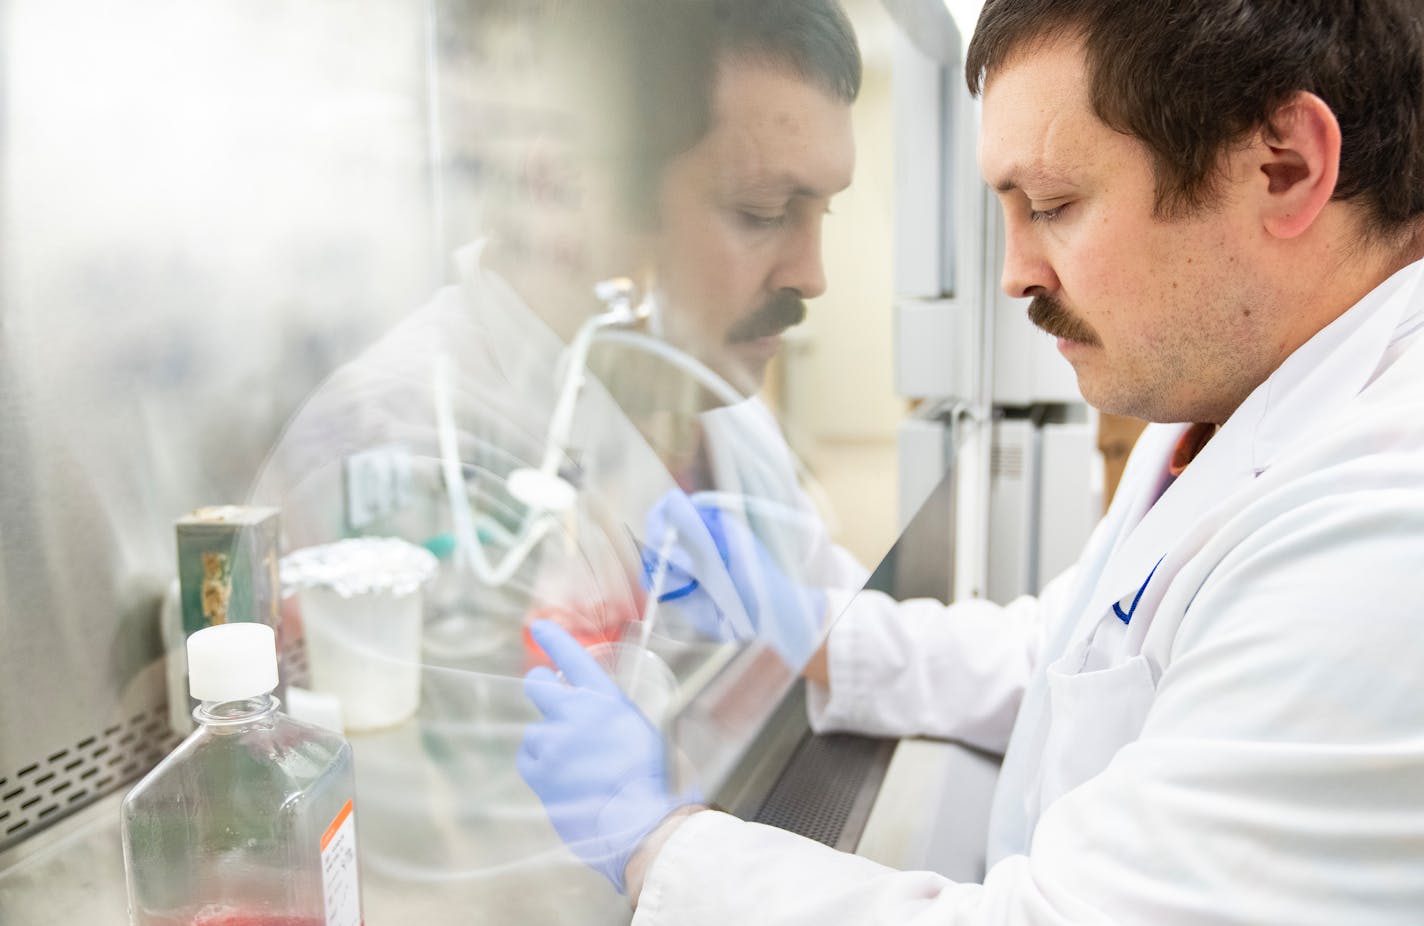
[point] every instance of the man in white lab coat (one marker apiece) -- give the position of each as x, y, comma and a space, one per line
1216, 715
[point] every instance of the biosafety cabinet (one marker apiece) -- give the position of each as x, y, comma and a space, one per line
211, 212
999, 453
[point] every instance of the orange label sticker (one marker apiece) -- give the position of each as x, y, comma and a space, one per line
339, 874
335, 825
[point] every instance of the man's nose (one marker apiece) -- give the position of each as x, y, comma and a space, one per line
801, 267
1027, 271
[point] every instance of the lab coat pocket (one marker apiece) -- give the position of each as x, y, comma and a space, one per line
1092, 716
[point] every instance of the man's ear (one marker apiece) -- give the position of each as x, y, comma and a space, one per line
1299, 154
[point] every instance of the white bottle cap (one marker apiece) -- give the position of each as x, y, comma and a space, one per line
232, 662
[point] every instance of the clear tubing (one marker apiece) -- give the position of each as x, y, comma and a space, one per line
575, 371
467, 541
620, 314
534, 529
719, 387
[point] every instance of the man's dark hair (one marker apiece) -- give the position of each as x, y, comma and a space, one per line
646, 69
813, 38
679, 44
1190, 79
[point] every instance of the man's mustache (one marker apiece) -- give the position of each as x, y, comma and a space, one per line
1050, 315
778, 313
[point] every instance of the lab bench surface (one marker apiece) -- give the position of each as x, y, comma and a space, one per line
448, 832
930, 814
73, 873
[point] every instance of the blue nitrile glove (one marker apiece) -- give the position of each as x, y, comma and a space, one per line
595, 761
785, 614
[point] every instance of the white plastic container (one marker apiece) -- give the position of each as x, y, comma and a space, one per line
251, 820
362, 615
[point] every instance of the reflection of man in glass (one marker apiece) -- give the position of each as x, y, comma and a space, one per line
736, 251
694, 147
740, 213
735, 210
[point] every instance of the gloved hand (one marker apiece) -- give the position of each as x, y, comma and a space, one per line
594, 760
710, 544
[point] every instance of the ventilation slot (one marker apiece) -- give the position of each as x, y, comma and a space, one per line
1007, 460
825, 785
38, 794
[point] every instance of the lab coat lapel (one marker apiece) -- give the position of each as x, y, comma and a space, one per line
1220, 471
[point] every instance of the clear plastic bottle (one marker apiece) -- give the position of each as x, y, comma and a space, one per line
250, 821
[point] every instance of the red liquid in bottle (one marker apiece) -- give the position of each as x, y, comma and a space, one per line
239, 918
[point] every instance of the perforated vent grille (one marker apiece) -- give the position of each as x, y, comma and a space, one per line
43, 791
1007, 460
824, 784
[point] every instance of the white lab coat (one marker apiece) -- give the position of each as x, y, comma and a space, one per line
1248, 749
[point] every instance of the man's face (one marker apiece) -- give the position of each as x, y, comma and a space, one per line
1161, 319
739, 238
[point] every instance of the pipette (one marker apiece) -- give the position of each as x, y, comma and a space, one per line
650, 608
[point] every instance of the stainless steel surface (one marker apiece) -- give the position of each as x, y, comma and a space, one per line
763, 759
738, 725
191, 242
448, 832
70, 778
73, 872
70, 873
929, 813
932, 810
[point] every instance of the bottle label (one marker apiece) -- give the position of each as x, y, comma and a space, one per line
338, 870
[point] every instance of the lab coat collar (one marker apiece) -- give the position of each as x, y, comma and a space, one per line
1313, 383
495, 307
1328, 370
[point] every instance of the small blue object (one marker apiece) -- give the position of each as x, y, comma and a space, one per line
784, 613
677, 582
443, 545
1117, 606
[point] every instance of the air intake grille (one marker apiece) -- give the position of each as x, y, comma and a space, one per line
827, 788
49, 789
1007, 460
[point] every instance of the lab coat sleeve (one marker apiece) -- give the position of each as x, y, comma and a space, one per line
920, 668
717, 869
1279, 777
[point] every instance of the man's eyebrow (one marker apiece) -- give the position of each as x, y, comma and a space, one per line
1016, 178
787, 186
